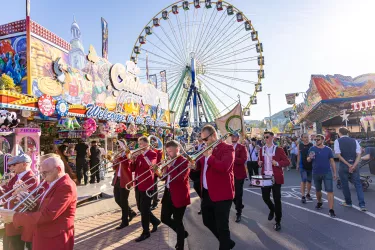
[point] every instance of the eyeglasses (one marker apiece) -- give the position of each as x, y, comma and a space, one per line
206, 138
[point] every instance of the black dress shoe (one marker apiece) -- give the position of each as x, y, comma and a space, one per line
155, 227
270, 216
142, 237
200, 212
186, 234
121, 226
131, 216
238, 218
277, 226
154, 207
232, 244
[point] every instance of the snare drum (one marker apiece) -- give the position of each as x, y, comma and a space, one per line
262, 180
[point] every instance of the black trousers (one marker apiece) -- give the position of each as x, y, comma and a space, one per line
216, 218
176, 223
252, 168
238, 189
195, 176
276, 193
15, 243
82, 166
94, 166
144, 206
121, 198
155, 197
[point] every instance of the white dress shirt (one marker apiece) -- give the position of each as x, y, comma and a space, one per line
252, 156
337, 150
204, 172
234, 145
169, 176
21, 175
268, 160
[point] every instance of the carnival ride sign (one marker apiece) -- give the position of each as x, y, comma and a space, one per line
46, 105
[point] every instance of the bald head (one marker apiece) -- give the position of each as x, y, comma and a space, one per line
52, 168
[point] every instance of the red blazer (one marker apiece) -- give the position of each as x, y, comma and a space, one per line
281, 158
126, 173
219, 172
159, 154
240, 158
54, 220
179, 188
140, 165
10, 229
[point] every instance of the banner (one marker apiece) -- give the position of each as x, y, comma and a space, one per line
290, 98
231, 122
163, 81
104, 39
153, 80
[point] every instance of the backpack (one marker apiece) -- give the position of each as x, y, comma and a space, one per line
304, 153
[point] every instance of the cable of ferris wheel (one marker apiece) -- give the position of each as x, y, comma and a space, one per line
199, 27
230, 78
216, 96
176, 62
237, 60
173, 44
152, 53
214, 29
230, 70
229, 107
204, 32
205, 81
153, 61
227, 43
215, 39
227, 85
237, 52
177, 40
169, 48
182, 39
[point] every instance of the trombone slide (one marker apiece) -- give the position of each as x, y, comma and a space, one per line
29, 198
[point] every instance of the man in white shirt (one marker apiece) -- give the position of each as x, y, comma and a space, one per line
252, 159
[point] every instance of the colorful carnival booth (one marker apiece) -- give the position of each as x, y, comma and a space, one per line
330, 104
52, 90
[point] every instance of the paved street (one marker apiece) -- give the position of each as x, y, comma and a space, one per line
303, 227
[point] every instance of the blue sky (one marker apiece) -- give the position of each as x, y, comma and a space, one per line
300, 37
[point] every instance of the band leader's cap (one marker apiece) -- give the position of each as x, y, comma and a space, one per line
19, 159
235, 134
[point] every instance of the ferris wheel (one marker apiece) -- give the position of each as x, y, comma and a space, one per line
210, 54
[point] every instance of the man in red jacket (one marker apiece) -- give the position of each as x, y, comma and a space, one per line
123, 175
143, 164
54, 219
272, 159
240, 158
159, 156
217, 186
176, 194
15, 238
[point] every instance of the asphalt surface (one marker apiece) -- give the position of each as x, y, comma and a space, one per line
303, 227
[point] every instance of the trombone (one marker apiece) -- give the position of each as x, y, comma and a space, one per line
192, 159
30, 201
15, 187
159, 146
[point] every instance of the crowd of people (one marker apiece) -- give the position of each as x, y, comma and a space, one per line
40, 212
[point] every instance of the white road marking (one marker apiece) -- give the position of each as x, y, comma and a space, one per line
325, 215
355, 207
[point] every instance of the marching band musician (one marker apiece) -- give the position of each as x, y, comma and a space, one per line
159, 156
176, 194
272, 159
54, 218
240, 158
217, 186
143, 162
123, 175
17, 238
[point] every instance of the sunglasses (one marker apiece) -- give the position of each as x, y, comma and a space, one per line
318, 139
206, 138
266, 137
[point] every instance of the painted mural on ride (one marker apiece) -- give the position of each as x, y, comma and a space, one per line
87, 82
326, 87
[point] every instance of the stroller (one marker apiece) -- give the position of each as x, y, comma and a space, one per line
364, 178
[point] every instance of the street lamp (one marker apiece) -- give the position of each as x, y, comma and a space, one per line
172, 115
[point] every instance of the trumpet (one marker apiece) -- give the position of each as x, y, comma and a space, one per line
24, 184
29, 201
192, 159
159, 146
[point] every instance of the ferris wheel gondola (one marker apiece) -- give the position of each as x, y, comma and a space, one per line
210, 53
